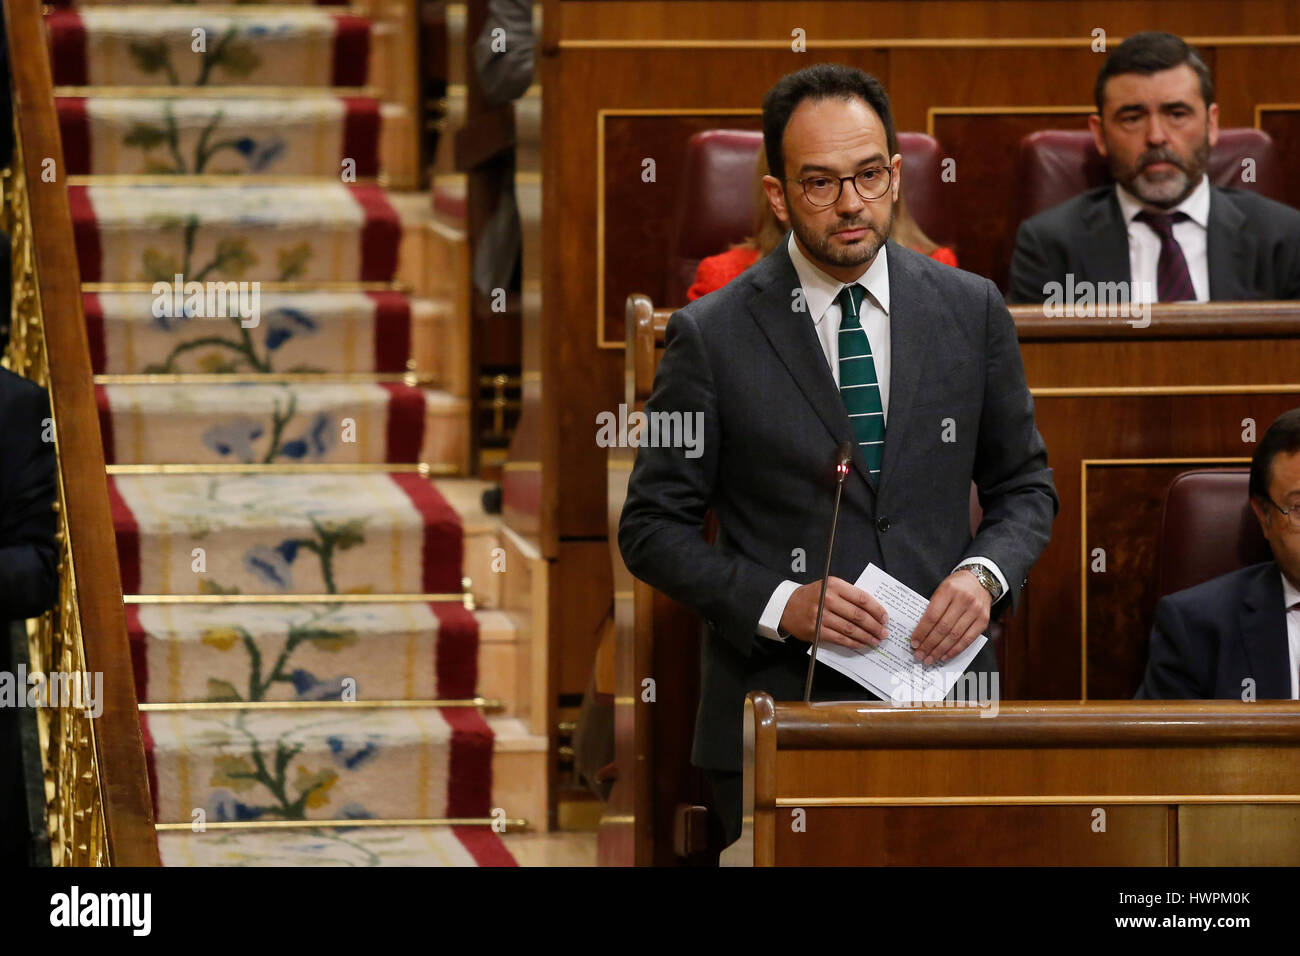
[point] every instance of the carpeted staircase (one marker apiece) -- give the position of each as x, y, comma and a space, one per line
294, 517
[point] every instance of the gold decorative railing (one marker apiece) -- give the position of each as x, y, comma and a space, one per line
96, 785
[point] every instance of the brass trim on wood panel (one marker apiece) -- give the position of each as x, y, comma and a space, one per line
1154, 799
1115, 391
903, 43
216, 92
293, 598
218, 179
265, 378
265, 285
1083, 535
1274, 108
183, 706
516, 823
601, 114
279, 468
934, 111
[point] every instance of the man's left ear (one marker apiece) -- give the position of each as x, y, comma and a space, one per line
1213, 120
897, 163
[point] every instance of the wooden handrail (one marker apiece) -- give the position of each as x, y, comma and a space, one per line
1182, 320
50, 346
872, 726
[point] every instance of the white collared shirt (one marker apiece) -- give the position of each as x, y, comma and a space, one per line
1290, 598
1190, 234
821, 293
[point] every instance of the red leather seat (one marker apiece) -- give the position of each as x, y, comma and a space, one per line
1207, 529
715, 205
1055, 165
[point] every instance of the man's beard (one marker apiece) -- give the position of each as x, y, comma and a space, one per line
825, 249
1168, 189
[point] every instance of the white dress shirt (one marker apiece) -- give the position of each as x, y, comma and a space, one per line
820, 293
1291, 598
1190, 234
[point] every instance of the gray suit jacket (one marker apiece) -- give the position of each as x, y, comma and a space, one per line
1252, 246
772, 418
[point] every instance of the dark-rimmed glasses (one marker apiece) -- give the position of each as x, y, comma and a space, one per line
1291, 514
871, 183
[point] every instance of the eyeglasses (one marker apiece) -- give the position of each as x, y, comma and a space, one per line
1292, 514
871, 183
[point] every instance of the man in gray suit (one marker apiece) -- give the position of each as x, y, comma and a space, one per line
838, 335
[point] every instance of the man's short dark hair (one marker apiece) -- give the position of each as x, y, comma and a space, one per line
1282, 438
1152, 52
820, 82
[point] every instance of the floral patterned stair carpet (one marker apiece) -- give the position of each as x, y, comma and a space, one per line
244, 724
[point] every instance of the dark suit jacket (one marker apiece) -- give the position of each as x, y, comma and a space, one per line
29, 581
1252, 246
1210, 638
772, 418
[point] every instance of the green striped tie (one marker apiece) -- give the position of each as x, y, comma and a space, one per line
858, 385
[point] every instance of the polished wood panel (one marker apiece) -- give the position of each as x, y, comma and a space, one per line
978, 836
985, 147
636, 217
1282, 122
1032, 783
1124, 507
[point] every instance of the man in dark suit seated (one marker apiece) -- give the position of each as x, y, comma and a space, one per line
838, 334
29, 579
1161, 227
1238, 635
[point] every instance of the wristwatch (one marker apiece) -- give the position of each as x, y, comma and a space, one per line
985, 578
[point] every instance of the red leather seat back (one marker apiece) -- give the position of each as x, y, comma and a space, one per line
715, 205
1207, 529
1055, 165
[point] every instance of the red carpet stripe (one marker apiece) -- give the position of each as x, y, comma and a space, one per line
74, 127
68, 59
457, 651
392, 331
405, 435
94, 311
128, 539
361, 133
485, 846
443, 545
106, 425
469, 776
379, 235
86, 232
351, 50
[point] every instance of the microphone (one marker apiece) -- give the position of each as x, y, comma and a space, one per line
843, 457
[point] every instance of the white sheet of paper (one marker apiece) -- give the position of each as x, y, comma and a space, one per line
890, 671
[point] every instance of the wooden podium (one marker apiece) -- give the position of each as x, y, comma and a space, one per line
1123, 410
1203, 783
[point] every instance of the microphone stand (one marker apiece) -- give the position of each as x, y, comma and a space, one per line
843, 455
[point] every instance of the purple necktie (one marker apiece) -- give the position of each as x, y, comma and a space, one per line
1173, 280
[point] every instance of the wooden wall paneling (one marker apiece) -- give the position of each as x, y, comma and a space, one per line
866, 22
1125, 503
985, 142
1282, 122
1020, 785
976, 836
635, 227
1248, 74
1192, 428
